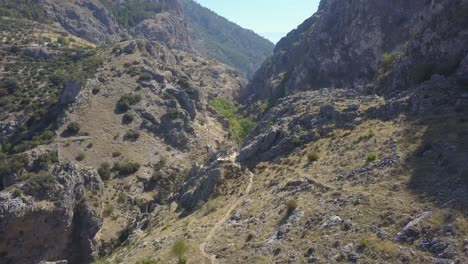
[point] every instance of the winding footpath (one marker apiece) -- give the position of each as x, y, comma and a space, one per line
220, 223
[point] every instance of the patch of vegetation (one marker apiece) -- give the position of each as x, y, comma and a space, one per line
163, 162
126, 168
108, 211
178, 250
371, 157
125, 103
388, 59
145, 77
313, 156
173, 113
64, 41
128, 118
25, 9
38, 182
240, 126
131, 12
116, 154
81, 156
10, 165
132, 135
104, 171
44, 161
73, 128
291, 205
147, 261
210, 207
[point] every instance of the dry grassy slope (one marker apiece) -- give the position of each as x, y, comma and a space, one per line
103, 129
372, 204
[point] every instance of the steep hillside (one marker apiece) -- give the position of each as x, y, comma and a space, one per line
216, 37
351, 146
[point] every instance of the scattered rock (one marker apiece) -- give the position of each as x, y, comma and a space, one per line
411, 231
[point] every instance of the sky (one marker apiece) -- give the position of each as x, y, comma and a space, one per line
271, 19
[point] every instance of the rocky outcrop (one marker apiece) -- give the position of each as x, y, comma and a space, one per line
61, 227
167, 29
202, 182
340, 46
87, 19
303, 118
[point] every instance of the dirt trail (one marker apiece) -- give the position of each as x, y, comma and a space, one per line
220, 223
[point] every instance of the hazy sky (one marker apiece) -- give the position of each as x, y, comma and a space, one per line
272, 19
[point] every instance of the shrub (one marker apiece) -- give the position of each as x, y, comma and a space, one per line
45, 160
96, 91
17, 193
313, 156
125, 102
108, 211
81, 156
145, 77
291, 205
39, 182
116, 154
132, 135
163, 161
104, 171
388, 59
128, 118
210, 207
371, 157
179, 249
64, 41
173, 113
11, 84
240, 126
126, 168
147, 261
73, 128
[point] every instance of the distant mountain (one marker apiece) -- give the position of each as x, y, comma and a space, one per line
215, 36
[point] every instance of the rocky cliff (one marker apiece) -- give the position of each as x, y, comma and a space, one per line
349, 44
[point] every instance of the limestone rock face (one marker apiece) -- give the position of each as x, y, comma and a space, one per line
165, 28
86, 18
61, 227
340, 46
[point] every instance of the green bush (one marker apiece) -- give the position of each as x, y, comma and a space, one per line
173, 113
240, 127
163, 161
73, 128
313, 156
145, 77
108, 211
104, 171
371, 157
125, 103
64, 41
128, 118
39, 182
132, 135
291, 205
44, 161
11, 84
388, 59
179, 249
147, 261
81, 156
126, 168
